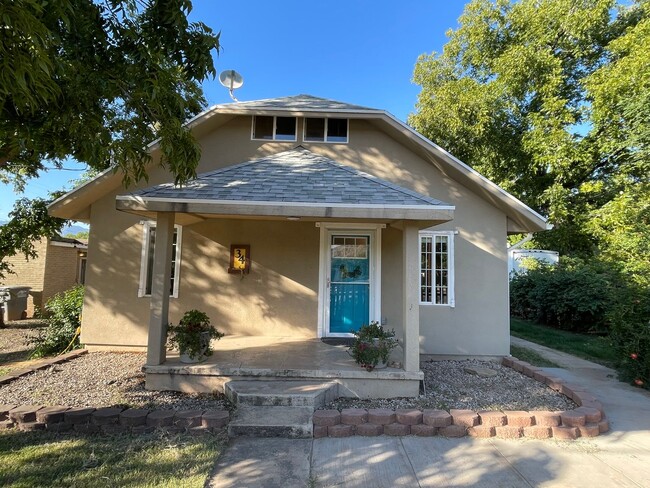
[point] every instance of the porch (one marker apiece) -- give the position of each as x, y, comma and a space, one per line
283, 358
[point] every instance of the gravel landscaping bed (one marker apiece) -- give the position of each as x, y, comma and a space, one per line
449, 386
101, 379
114, 379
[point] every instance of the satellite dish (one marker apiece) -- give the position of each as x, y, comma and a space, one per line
231, 80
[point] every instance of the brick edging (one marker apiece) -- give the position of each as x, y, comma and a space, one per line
42, 364
111, 420
588, 420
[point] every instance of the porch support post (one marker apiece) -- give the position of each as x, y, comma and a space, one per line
161, 276
410, 297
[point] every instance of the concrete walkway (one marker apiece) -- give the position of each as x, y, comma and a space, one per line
618, 459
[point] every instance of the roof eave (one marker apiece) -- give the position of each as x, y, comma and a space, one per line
134, 204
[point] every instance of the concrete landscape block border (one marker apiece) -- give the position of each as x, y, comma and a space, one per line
588, 420
112, 420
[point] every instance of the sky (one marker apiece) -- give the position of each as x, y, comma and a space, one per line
356, 51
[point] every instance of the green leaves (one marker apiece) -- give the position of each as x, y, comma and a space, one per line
29, 222
550, 99
100, 81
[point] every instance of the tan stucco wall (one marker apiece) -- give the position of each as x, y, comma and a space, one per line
54, 270
280, 294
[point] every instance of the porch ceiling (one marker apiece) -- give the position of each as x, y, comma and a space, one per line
296, 183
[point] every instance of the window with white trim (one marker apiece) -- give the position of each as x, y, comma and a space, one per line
437, 268
318, 129
273, 128
146, 267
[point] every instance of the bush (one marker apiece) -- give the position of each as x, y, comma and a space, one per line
630, 333
572, 296
590, 297
63, 314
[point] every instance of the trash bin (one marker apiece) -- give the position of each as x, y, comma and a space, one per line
15, 301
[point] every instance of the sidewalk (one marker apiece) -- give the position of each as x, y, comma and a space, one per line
618, 459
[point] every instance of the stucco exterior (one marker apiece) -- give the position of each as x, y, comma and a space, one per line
280, 295
284, 293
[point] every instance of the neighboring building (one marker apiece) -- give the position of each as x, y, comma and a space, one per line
341, 214
60, 264
517, 258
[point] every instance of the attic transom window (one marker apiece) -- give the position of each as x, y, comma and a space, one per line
319, 129
271, 128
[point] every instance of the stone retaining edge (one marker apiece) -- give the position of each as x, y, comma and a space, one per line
111, 420
588, 420
42, 364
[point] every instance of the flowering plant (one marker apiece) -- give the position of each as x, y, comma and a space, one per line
372, 345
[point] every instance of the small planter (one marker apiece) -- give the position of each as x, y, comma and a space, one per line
372, 346
192, 336
186, 356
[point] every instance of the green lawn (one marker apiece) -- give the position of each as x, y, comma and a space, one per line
531, 357
37, 459
593, 348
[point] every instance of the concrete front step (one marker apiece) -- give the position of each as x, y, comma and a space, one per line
281, 393
272, 421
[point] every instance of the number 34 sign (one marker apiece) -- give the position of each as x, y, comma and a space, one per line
240, 258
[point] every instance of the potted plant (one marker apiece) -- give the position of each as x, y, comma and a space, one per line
372, 346
192, 336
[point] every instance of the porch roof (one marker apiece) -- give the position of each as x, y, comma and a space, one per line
295, 183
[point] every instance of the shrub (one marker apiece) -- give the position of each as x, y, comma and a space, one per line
630, 333
572, 295
591, 297
63, 314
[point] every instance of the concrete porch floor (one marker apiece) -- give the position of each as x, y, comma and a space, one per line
268, 358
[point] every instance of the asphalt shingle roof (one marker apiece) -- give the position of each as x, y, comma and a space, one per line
296, 176
299, 102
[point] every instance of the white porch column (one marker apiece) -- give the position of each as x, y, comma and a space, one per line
161, 276
410, 296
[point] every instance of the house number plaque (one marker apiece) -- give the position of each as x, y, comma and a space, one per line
240, 258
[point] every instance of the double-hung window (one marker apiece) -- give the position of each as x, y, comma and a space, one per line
146, 266
437, 268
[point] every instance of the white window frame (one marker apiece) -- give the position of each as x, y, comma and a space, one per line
451, 282
144, 258
325, 141
275, 125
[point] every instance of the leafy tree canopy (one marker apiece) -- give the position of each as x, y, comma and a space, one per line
551, 100
98, 81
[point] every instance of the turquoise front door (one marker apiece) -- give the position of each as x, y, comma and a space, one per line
349, 283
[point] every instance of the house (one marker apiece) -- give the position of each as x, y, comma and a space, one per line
308, 218
60, 264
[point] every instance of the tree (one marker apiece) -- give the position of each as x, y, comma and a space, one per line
547, 98
98, 81
29, 222
82, 234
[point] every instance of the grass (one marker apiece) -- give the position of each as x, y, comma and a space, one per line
531, 357
34, 459
593, 348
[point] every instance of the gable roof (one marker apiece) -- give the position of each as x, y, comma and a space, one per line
308, 103
521, 218
295, 183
